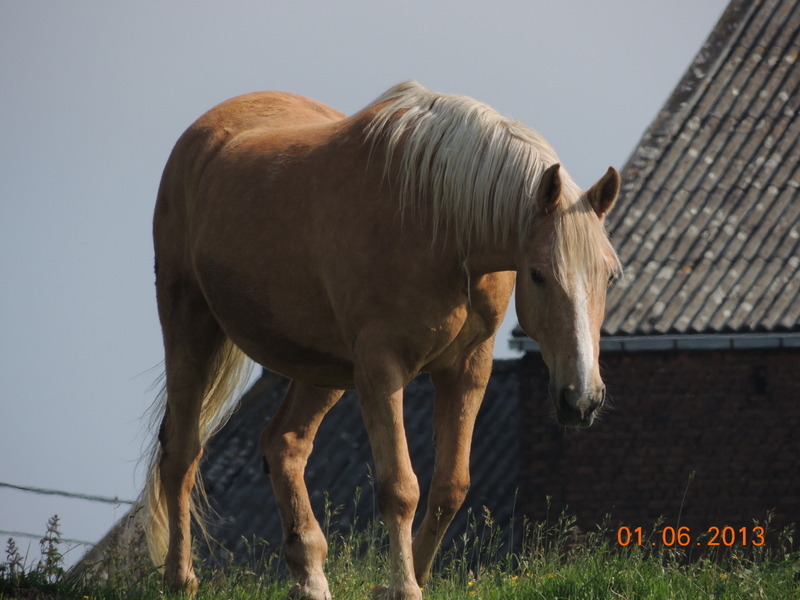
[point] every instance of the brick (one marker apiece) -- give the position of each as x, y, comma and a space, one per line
737, 439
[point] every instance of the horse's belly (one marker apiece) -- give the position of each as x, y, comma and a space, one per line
292, 358
301, 363
282, 327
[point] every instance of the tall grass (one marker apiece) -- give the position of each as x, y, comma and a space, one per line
552, 561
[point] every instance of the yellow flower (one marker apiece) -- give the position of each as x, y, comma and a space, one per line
470, 583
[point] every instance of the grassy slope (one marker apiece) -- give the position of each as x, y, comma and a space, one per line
553, 564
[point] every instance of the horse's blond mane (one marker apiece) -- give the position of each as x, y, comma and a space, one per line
478, 172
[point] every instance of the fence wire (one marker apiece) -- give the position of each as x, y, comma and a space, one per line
33, 536
46, 492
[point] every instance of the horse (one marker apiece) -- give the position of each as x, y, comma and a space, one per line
354, 253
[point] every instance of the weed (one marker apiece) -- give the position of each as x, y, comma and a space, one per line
50, 566
14, 565
553, 560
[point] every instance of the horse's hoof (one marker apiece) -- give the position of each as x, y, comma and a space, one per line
310, 592
385, 592
189, 588
380, 592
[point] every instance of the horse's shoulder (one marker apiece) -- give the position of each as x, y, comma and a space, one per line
489, 298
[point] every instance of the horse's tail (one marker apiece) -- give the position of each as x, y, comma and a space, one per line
230, 373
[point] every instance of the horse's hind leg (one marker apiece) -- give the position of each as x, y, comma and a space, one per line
459, 393
192, 341
286, 444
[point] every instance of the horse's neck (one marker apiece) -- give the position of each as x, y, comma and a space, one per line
491, 258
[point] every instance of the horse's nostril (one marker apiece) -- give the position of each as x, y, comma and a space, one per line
569, 402
564, 400
575, 408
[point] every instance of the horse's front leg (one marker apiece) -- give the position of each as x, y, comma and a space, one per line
286, 444
380, 380
459, 393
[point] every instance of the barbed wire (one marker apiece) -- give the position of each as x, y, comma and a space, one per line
46, 492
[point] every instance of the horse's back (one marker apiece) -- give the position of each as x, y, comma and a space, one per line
267, 110
259, 115
255, 113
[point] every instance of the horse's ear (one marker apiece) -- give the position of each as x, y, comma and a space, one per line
548, 195
603, 193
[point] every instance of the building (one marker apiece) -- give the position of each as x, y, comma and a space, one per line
701, 343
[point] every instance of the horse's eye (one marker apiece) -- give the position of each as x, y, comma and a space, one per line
612, 279
536, 276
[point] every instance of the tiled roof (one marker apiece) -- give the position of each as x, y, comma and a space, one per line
242, 496
708, 219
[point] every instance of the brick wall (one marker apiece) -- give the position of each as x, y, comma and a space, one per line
732, 418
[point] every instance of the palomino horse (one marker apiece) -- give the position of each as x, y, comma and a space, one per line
356, 252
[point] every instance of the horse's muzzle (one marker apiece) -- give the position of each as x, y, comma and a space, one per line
578, 409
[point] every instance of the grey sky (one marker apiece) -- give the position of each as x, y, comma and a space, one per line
94, 94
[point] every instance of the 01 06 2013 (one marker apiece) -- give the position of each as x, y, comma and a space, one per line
683, 536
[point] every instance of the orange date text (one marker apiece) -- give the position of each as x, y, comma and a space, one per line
683, 536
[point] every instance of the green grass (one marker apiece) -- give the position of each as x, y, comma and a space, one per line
553, 563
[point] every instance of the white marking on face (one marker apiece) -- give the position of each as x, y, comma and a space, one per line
585, 346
